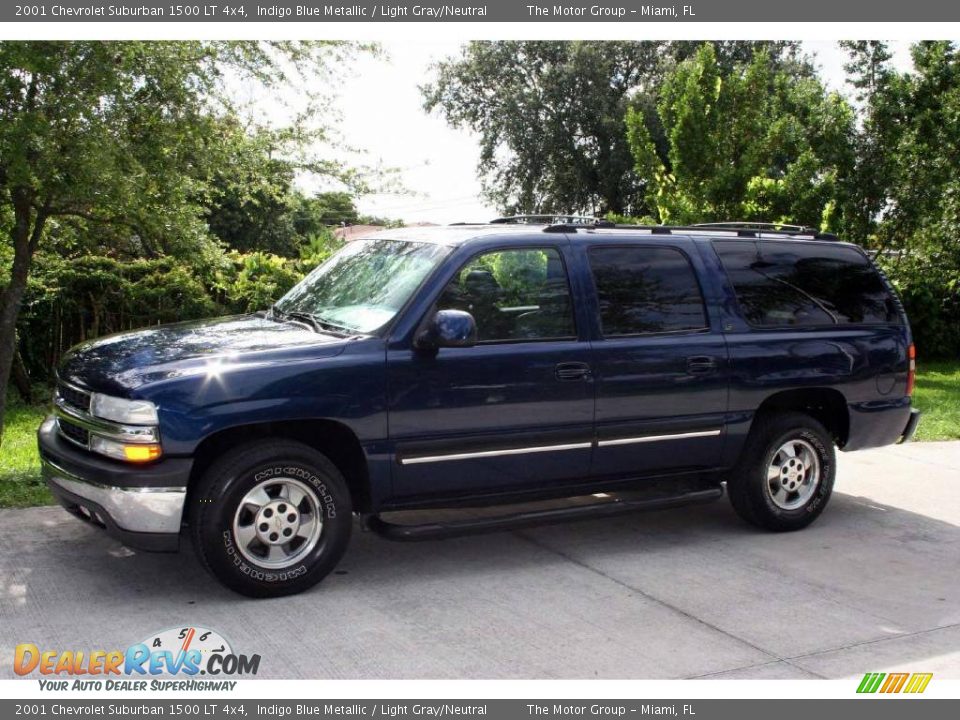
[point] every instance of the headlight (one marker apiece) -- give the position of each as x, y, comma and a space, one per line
128, 412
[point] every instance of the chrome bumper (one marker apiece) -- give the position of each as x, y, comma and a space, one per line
131, 509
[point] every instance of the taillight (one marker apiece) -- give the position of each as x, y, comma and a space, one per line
911, 368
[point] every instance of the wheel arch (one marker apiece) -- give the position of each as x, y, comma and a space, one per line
825, 404
334, 439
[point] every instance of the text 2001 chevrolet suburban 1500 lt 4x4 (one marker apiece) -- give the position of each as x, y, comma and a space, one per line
486, 365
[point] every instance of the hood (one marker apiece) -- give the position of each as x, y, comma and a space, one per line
118, 364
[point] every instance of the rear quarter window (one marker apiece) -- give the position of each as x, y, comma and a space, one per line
797, 284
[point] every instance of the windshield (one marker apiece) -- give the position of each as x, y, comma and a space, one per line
363, 286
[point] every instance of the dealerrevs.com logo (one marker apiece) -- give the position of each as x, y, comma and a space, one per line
186, 652
898, 682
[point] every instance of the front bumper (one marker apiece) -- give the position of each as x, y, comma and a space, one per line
141, 506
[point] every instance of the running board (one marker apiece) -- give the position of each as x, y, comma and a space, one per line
615, 506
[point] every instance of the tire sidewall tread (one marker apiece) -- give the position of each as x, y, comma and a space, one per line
746, 485
225, 483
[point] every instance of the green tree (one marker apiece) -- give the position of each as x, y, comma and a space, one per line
122, 135
326, 208
248, 199
879, 92
550, 116
747, 141
907, 145
908, 184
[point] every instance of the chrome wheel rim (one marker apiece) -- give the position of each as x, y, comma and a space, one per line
278, 523
793, 474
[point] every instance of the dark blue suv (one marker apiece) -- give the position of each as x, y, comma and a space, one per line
483, 365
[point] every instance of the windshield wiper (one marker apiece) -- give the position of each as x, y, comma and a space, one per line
318, 323
330, 325
274, 313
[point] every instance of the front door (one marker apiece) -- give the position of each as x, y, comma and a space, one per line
513, 412
661, 369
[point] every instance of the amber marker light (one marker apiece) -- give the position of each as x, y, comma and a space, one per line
141, 453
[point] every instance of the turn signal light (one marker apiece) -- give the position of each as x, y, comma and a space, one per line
141, 453
911, 369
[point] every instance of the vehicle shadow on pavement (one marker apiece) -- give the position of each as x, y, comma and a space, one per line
671, 593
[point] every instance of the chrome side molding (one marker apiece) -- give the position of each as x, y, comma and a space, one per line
419, 459
657, 438
494, 453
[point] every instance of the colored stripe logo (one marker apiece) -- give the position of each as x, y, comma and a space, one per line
894, 682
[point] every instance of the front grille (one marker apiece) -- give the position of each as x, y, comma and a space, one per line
74, 396
73, 432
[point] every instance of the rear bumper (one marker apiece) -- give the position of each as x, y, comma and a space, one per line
880, 423
911, 427
142, 507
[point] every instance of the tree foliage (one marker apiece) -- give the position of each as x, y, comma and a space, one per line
907, 174
751, 141
72, 299
550, 115
128, 137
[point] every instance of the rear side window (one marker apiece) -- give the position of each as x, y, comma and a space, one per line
646, 290
805, 285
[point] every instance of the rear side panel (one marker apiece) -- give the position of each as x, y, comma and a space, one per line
865, 362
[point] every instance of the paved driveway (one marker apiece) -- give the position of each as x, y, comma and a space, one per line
874, 584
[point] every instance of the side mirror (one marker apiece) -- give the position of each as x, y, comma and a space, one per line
448, 328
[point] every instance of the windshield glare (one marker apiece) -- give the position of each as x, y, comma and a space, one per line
363, 286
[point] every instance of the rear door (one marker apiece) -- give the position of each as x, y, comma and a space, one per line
661, 364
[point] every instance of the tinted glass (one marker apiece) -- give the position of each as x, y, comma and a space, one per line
518, 294
805, 285
646, 290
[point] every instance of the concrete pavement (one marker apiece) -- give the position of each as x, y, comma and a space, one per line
873, 585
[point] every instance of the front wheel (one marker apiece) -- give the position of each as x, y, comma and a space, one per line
271, 519
786, 472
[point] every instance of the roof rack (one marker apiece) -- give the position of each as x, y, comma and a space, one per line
578, 220
571, 223
737, 225
752, 230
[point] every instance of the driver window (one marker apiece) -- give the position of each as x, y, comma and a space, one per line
514, 295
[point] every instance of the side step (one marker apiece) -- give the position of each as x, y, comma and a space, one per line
619, 504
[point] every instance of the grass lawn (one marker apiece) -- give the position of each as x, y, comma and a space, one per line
937, 394
20, 484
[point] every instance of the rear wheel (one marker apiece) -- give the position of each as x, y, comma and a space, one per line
271, 519
786, 472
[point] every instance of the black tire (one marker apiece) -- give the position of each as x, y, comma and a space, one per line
273, 466
752, 495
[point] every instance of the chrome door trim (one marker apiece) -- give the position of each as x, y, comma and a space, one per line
657, 438
494, 453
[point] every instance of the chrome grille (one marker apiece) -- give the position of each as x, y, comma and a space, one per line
74, 396
77, 400
72, 432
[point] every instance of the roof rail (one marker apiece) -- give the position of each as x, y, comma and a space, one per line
559, 219
761, 227
571, 223
737, 225
752, 230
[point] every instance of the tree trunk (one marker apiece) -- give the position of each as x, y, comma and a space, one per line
25, 239
20, 376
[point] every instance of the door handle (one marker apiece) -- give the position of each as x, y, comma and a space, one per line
701, 365
572, 371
